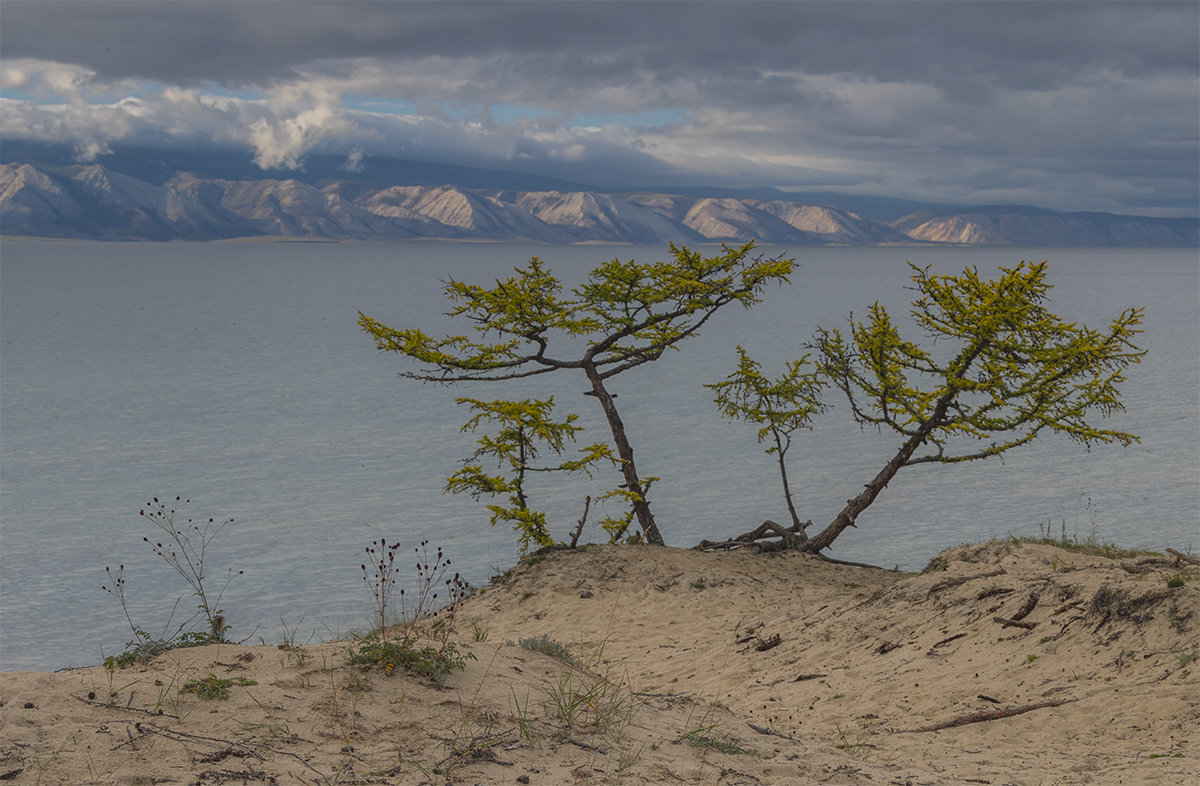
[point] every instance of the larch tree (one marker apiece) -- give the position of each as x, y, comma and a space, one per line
625, 314
523, 430
780, 407
1005, 370
1002, 371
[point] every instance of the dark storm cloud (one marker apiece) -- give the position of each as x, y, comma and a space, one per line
1005, 44
1051, 102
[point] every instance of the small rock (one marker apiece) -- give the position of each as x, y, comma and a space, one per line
525, 778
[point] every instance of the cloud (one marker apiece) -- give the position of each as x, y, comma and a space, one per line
354, 161
295, 120
925, 99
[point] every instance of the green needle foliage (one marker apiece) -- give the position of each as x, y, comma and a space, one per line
779, 406
1006, 370
625, 313
524, 431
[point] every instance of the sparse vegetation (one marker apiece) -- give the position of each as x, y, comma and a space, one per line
213, 687
550, 647
184, 549
397, 646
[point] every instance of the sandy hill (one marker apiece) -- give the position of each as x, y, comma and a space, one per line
999, 664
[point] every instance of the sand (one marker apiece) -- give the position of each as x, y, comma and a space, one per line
688, 667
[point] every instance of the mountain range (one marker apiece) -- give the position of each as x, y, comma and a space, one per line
143, 196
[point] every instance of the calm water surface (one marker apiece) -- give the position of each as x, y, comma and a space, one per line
235, 374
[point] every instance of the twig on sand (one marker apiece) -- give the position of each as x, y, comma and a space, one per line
988, 715
941, 585
250, 748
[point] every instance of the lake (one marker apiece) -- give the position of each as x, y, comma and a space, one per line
235, 374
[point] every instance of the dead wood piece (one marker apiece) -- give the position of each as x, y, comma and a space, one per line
1139, 568
945, 641
774, 640
1014, 623
990, 591
886, 647
158, 713
804, 677
941, 585
1181, 558
988, 698
1028, 607
988, 715
769, 732
252, 748
587, 503
790, 537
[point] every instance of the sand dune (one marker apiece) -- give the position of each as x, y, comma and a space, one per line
999, 664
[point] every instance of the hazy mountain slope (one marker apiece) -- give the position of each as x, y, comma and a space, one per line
34, 203
591, 216
1026, 227
96, 202
460, 213
831, 224
731, 219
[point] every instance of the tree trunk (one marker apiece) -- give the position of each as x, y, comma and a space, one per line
780, 449
641, 508
824, 539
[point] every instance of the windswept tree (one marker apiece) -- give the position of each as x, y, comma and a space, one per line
625, 314
1003, 371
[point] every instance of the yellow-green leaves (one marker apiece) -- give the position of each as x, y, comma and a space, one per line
1003, 366
623, 315
521, 431
779, 406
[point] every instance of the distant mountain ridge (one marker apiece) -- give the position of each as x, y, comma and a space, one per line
98, 202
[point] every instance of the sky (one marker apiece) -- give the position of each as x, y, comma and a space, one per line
1078, 105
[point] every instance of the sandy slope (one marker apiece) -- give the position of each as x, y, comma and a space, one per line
727, 668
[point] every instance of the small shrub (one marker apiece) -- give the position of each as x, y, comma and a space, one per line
550, 647
213, 687
435, 663
184, 550
1176, 581
397, 647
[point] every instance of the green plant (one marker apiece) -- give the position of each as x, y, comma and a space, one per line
701, 739
184, 550
525, 725
859, 748
144, 646
524, 430
213, 687
780, 406
435, 663
550, 647
624, 315
579, 699
1012, 370
1176, 581
397, 647
1188, 656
